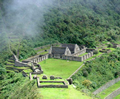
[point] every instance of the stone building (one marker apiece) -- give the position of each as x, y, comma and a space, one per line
74, 48
66, 50
57, 52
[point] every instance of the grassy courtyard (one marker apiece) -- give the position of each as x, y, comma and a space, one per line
109, 90
58, 67
62, 93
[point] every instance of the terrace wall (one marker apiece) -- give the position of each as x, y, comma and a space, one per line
110, 83
49, 45
18, 63
113, 94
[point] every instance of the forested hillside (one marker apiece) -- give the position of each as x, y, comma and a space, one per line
28, 25
86, 22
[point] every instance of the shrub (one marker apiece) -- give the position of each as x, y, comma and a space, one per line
87, 83
116, 74
95, 52
109, 45
89, 69
85, 73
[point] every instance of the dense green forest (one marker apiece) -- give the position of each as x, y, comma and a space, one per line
98, 72
85, 22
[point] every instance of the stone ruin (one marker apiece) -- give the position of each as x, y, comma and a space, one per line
36, 68
70, 52
44, 77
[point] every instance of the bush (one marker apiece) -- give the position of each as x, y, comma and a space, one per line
89, 70
87, 83
85, 73
109, 45
95, 52
116, 74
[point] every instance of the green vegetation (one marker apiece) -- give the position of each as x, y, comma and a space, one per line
43, 49
43, 53
27, 71
98, 71
60, 68
14, 86
117, 97
60, 93
84, 22
51, 84
109, 90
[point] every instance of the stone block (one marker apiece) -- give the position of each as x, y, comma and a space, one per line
44, 77
52, 77
35, 77
70, 80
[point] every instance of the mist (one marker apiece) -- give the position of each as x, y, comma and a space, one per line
22, 18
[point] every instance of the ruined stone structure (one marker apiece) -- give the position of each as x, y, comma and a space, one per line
36, 69
18, 63
51, 86
57, 52
66, 52
37, 58
70, 52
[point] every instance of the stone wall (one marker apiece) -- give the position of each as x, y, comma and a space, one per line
38, 68
40, 58
55, 44
21, 64
30, 76
82, 51
90, 50
18, 63
113, 94
51, 86
110, 83
74, 58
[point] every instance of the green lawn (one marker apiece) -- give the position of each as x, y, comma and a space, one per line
109, 90
62, 93
117, 97
58, 67
51, 84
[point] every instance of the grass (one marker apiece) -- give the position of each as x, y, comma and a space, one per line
43, 53
112, 49
27, 71
109, 90
62, 93
60, 68
82, 54
51, 84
